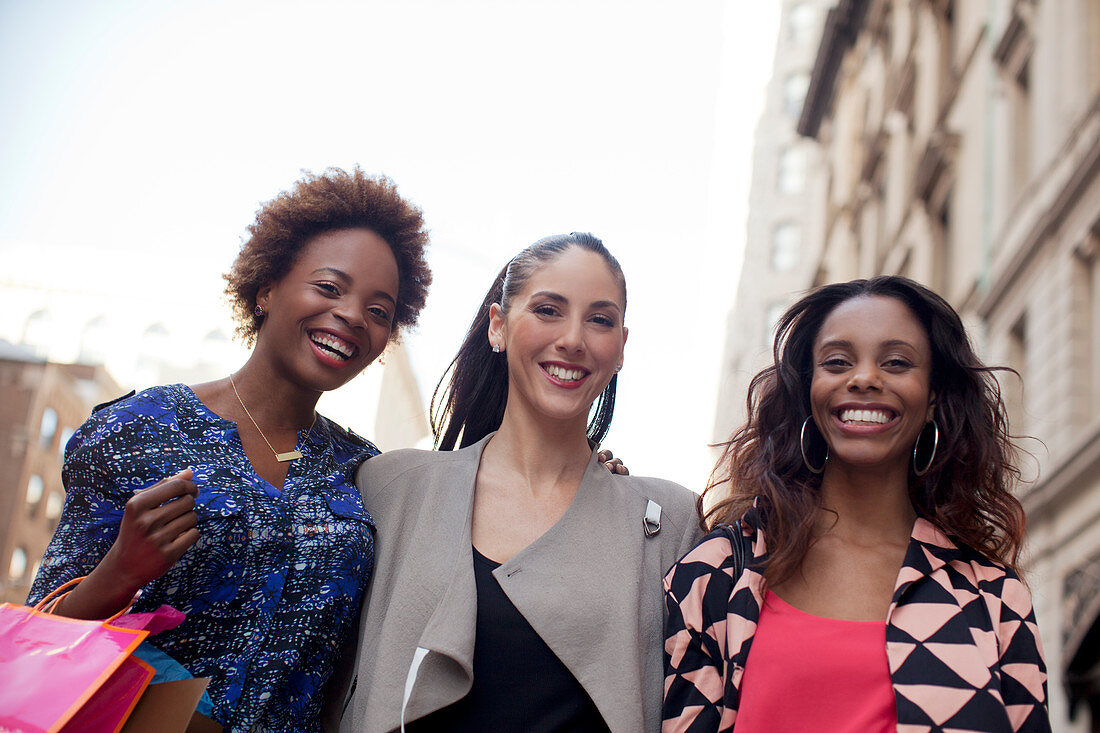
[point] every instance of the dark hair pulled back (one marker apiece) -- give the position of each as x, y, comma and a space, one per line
469, 401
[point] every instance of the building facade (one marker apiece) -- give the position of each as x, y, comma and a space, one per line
41, 404
48, 389
782, 228
960, 146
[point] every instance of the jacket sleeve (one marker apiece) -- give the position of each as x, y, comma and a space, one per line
1023, 671
697, 591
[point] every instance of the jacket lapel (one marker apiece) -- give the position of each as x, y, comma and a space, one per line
444, 673
929, 636
570, 585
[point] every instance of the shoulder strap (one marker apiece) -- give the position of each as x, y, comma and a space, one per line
737, 547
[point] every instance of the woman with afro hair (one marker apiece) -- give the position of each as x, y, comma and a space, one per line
233, 500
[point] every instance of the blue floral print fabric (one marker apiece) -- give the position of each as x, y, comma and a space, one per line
274, 583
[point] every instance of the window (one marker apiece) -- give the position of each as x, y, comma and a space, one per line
1013, 390
54, 504
37, 332
34, 493
1020, 101
18, 565
1092, 44
791, 178
771, 319
794, 93
801, 22
1085, 315
48, 428
948, 39
942, 247
95, 341
786, 246
1013, 55
1094, 315
886, 32
66, 433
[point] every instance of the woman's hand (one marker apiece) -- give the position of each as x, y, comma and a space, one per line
158, 525
613, 464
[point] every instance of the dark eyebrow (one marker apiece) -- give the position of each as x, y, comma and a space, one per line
837, 343
897, 342
559, 298
550, 295
347, 278
844, 344
331, 271
605, 304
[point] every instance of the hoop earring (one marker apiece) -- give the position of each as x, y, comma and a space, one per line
802, 446
935, 445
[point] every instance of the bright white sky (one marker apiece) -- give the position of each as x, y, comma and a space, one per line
138, 137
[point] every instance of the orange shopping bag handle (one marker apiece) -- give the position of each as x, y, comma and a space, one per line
50, 601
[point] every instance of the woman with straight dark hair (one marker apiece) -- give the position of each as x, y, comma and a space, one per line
877, 462
517, 584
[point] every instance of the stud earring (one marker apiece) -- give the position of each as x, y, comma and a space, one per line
496, 348
259, 312
618, 368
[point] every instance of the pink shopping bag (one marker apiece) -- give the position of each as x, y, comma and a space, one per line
65, 674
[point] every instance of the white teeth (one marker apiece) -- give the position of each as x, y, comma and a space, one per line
566, 375
343, 349
865, 416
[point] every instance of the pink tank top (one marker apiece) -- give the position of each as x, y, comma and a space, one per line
808, 673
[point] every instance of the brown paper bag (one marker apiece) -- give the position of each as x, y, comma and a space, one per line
169, 707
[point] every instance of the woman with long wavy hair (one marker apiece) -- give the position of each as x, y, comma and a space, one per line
877, 463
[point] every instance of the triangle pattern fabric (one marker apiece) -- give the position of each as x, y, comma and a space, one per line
961, 639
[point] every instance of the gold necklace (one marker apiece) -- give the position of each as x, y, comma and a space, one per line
291, 455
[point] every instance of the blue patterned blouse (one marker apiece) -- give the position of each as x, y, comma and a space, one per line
274, 582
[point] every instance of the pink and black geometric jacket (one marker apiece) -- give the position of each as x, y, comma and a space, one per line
961, 638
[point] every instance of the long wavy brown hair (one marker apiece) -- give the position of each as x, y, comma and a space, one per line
966, 492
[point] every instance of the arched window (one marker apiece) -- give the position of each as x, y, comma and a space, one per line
48, 427
34, 491
54, 505
66, 433
794, 93
786, 246
18, 565
772, 315
801, 23
217, 349
791, 177
37, 331
95, 341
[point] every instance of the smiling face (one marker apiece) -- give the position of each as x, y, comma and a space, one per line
871, 390
330, 315
563, 336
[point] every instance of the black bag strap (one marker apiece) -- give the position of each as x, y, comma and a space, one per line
737, 547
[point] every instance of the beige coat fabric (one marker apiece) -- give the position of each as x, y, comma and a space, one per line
590, 587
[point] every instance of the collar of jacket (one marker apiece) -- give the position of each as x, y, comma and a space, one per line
945, 614
556, 582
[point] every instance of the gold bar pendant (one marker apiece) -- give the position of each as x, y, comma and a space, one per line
292, 455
